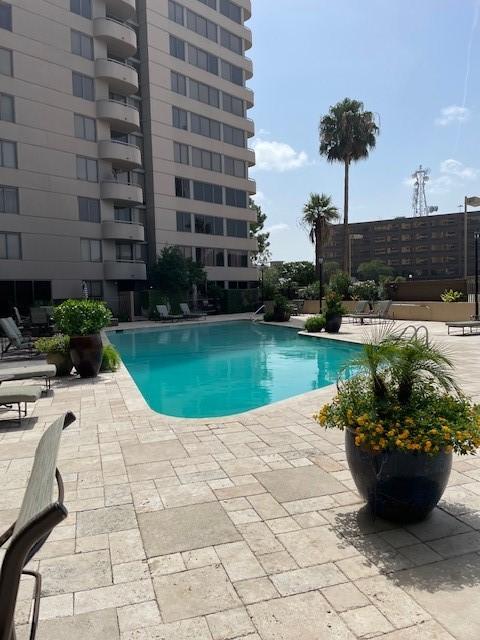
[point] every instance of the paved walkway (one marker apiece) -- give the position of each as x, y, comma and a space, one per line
246, 527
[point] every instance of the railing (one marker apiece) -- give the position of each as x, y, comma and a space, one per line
256, 314
117, 21
124, 104
124, 64
127, 144
415, 332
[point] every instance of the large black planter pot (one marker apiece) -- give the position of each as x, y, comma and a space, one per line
398, 486
62, 361
333, 324
86, 353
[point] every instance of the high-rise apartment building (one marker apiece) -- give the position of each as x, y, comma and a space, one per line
123, 129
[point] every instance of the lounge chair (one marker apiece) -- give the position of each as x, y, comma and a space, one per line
185, 309
16, 341
360, 311
465, 324
165, 315
42, 509
27, 371
380, 312
11, 395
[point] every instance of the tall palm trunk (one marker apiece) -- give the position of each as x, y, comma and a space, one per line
318, 255
346, 240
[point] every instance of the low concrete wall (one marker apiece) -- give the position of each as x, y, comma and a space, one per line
434, 311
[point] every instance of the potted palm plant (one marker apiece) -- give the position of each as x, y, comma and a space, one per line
334, 312
57, 349
82, 321
403, 416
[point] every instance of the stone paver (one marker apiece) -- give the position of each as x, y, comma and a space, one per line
246, 527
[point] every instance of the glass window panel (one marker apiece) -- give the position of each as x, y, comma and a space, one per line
8, 154
82, 8
179, 83
13, 246
6, 62
231, 10
8, 200
175, 12
6, 108
5, 16
180, 118
177, 48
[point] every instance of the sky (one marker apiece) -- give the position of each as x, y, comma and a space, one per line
415, 63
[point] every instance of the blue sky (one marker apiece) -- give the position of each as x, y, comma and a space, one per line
416, 63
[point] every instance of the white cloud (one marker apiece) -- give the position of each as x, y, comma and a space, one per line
263, 132
259, 198
458, 169
281, 226
277, 156
452, 114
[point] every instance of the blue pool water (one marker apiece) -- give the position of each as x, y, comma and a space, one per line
207, 370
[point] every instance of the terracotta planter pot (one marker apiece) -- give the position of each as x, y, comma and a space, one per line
86, 353
397, 485
62, 361
333, 324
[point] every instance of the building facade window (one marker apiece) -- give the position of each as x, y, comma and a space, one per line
238, 258
233, 135
6, 63
88, 209
231, 72
177, 48
82, 8
10, 246
5, 16
184, 221
182, 188
178, 83
85, 127
206, 159
204, 93
175, 12
205, 126
180, 118
7, 108
236, 198
231, 10
202, 59
231, 41
124, 214
207, 192
185, 251
8, 199
180, 153
202, 26
87, 169
8, 154
82, 45
83, 86
128, 252
233, 105
237, 228
234, 167
95, 289
208, 257
91, 250
210, 3
210, 225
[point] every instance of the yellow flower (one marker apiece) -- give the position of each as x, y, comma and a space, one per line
404, 435
391, 433
449, 449
409, 421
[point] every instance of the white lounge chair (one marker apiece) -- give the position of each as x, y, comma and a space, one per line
27, 371
185, 309
162, 311
13, 395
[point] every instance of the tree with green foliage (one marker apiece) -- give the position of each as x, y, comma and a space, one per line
330, 268
318, 215
340, 283
173, 274
301, 272
347, 134
262, 256
374, 270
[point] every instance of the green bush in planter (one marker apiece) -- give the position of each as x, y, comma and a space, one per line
54, 344
110, 358
315, 324
81, 317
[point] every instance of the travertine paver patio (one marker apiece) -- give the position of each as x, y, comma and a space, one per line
246, 527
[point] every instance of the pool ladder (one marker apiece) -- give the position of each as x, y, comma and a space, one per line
255, 315
415, 332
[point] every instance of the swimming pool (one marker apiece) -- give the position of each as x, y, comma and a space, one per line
218, 369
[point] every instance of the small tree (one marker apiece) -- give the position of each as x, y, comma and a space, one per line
374, 270
173, 274
302, 272
262, 256
340, 282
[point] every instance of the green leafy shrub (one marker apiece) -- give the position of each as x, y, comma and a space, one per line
340, 282
315, 324
281, 310
334, 305
81, 317
364, 290
269, 317
449, 295
54, 344
110, 359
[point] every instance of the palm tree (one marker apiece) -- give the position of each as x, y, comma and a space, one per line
318, 214
347, 134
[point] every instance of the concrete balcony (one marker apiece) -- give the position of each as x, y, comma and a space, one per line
122, 117
248, 67
121, 193
250, 157
121, 154
124, 271
121, 9
249, 98
122, 78
247, 38
112, 230
121, 39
